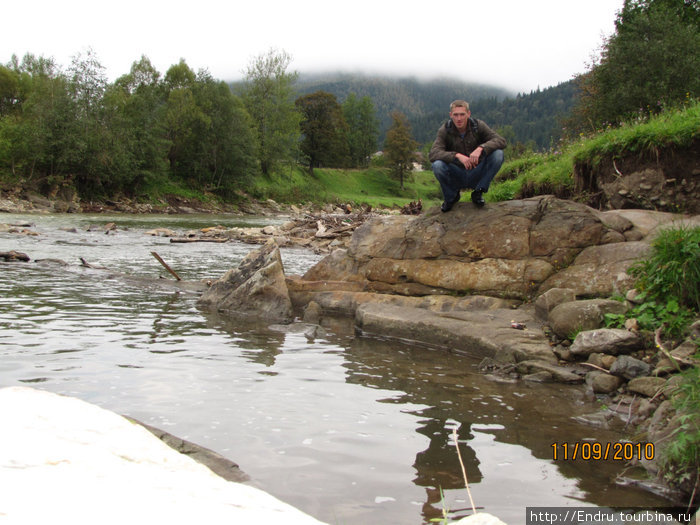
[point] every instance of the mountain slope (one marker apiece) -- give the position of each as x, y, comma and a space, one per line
533, 117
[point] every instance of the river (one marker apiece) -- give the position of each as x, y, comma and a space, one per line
349, 429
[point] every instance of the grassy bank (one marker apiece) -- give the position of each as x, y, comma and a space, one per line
373, 186
552, 172
532, 174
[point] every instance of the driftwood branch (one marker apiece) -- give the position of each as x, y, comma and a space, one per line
165, 265
183, 240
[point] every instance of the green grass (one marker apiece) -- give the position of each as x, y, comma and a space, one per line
683, 454
670, 128
373, 186
552, 172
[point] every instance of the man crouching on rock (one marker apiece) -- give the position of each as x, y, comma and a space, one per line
466, 154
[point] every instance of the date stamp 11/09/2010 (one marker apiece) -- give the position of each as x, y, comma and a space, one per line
596, 451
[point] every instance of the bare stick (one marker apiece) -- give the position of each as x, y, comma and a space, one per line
596, 367
165, 265
464, 472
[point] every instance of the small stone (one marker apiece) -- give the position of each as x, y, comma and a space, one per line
608, 360
632, 325
646, 386
551, 298
603, 383
629, 367
633, 296
596, 359
539, 377
312, 313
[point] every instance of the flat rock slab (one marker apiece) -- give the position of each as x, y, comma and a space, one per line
63, 460
475, 333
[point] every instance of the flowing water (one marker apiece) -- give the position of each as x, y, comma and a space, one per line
347, 428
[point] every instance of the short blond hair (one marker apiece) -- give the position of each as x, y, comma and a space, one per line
459, 104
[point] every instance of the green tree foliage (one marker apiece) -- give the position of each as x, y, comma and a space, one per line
135, 102
38, 130
268, 95
651, 61
73, 128
363, 129
323, 130
399, 147
226, 153
211, 138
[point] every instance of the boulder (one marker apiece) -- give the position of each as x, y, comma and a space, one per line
515, 249
599, 271
646, 386
476, 333
606, 340
506, 249
603, 383
568, 318
628, 367
551, 298
257, 287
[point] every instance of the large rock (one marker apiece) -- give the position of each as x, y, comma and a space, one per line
506, 249
606, 340
602, 382
257, 287
568, 318
511, 249
646, 386
476, 333
66, 461
553, 297
599, 271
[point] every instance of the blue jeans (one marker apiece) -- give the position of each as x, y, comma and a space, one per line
454, 177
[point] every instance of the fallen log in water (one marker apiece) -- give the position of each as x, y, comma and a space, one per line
198, 239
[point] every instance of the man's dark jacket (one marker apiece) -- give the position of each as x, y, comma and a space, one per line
448, 141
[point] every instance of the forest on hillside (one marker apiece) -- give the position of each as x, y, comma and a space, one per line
67, 126
529, 118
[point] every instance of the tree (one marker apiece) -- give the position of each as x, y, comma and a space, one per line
184, 119
323, 130
646, 64
226, 149
41, 138
399, 146
268, 96
92, 144
363, 129
138, 121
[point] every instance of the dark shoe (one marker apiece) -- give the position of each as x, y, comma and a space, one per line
477, 198
447, 205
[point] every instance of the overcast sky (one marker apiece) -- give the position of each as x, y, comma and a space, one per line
515, 44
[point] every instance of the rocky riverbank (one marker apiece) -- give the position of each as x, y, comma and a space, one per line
523, 284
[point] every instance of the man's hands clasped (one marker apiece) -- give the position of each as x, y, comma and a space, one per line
472, 160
